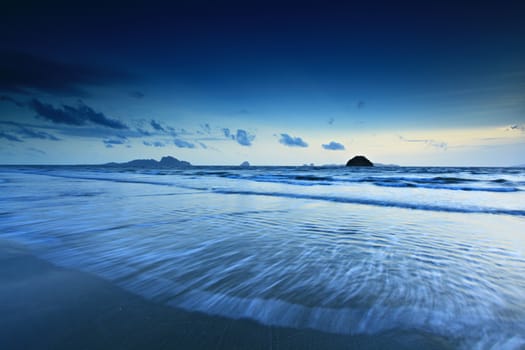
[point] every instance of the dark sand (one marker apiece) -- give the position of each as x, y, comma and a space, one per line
43, 306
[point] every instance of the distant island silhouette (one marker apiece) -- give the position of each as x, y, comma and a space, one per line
165, 162
359, 161
172, 162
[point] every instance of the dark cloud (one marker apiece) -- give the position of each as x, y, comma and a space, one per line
334, 146
428, 142
109, 143
34, 134
156, 125
79, 115
23, 72
12, 100
9, 137
136, 94
59, 116
331, 121
290, 141
88, 113
87, 131
183, 144
360, 104
244, 138
154, 144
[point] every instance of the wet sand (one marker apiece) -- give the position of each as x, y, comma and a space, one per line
48, 307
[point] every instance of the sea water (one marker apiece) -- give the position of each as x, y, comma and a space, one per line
354, 251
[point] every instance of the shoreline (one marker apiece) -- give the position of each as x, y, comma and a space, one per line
46, 306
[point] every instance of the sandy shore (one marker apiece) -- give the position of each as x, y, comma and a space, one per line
48, 307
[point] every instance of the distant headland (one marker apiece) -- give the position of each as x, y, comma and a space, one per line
359, 161
165, 162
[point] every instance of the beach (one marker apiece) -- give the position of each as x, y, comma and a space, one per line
49, 307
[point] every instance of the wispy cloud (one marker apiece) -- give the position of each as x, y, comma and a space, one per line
291, 141
24, 132
428, 142
70, 115
156, 125
143, 132
35, 150
334, 146
109, 143
183, 144
35, 134
154, 144
12, 100
9, 137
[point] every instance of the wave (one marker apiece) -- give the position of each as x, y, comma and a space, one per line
381, 203
434, 183
338, 199
451, 188
452, 183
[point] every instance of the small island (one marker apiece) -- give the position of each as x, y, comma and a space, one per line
165, 162
359, 161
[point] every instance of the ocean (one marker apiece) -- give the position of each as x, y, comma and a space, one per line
413, 255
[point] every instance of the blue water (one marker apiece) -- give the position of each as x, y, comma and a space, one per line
439, 251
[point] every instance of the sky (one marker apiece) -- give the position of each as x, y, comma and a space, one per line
271, 83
